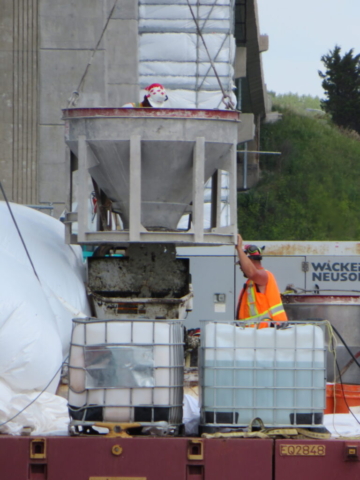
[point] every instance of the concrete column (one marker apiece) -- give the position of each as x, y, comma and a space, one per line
198, 189
83, 189
135, 189
6, 97
68, 192
18, 77
216, 200
233, 189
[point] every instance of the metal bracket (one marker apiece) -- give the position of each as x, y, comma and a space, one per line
195, 450
305, 266
38, 448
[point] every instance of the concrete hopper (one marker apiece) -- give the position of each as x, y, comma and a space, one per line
153, 151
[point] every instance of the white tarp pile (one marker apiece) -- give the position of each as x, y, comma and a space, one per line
191, 415
171, 51
36, 316
343, 424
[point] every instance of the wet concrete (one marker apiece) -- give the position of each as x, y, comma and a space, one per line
147, 271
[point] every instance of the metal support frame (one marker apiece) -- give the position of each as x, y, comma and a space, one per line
83, 191
226, 37
136, 232
215, 199
233, 190
198, 189
245, 151
135, 189
245, 166
69, 159
198, 87
203, 27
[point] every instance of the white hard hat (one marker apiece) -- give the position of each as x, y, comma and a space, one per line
156, 95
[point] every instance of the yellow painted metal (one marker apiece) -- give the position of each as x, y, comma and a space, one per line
38, 448
117, 429
297, 450
195, 450
289, 248
117, 478
116, 450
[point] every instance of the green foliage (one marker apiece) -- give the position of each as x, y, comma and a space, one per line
303, 104
341, 82
309, 192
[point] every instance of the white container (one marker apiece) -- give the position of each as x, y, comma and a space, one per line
276, 375
126, 371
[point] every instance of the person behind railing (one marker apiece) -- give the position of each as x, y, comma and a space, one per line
155, 97
259, 300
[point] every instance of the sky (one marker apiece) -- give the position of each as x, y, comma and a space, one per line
300, 32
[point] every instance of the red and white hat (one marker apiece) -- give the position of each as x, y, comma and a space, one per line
156, 95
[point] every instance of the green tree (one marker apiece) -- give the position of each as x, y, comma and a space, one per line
310, 191
341, 82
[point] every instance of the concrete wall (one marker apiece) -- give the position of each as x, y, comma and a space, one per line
6, 97
45, 47
122, 53
68, 31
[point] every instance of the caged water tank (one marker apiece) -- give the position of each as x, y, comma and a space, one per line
278, 375
126, 371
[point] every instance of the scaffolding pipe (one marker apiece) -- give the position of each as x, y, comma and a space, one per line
245, 166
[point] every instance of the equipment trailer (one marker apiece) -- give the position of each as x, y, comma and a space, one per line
149, 167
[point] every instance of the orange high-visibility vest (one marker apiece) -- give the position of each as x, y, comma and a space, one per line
257, 306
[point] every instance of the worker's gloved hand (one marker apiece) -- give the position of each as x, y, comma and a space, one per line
278, 325
239, 242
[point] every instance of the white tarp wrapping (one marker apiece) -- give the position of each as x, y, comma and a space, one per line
187, 47
180, 25
191, 415
174, 68
193, 3
172, 18
35, 314
188, 98
48, 414
172, 52
175, 12
343, 424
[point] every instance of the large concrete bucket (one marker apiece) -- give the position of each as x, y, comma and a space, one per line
167, 141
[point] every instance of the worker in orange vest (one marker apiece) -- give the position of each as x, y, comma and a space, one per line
260, 297
155, 97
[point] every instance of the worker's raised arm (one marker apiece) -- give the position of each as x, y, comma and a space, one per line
250, 268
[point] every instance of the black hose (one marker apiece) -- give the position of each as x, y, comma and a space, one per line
347, 348
342, 390
18, 230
